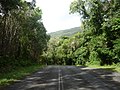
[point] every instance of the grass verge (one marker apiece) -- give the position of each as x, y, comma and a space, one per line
114, 67
15, 75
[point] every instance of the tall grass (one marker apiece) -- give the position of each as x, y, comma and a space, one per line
16, 74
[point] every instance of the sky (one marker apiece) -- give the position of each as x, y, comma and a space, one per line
56, 15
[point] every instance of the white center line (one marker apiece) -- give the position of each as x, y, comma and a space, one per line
59, 79
62, 81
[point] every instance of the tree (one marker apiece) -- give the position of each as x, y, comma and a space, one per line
23, 35
100, 26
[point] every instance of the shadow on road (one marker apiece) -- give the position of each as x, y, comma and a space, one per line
72, 78
107, 76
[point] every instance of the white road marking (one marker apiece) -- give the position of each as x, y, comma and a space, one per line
62, 81
59, 79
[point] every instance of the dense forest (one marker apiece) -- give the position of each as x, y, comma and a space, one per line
66, 32
25, 47
23, 38
22, 34
98, 43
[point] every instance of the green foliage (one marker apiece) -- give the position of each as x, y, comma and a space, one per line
101, 29
16, 74
24, 39
94, 56
114, 67
116, 50
23, 35
99, 42
81, 55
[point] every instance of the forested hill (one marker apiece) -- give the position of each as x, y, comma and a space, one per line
67, 32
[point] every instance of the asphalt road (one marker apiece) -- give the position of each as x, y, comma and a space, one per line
69, 78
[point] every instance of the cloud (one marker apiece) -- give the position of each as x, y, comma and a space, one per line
56, 15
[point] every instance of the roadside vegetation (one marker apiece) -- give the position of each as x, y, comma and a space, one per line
24, 42
23, 38
114, 67
98, 43
17, 74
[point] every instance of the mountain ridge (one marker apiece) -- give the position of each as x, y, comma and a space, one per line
66, 32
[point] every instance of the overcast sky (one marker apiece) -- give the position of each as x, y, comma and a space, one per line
56, 15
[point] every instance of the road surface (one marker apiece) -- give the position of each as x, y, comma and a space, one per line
69, 78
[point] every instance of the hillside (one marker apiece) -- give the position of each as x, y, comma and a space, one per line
67, 32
